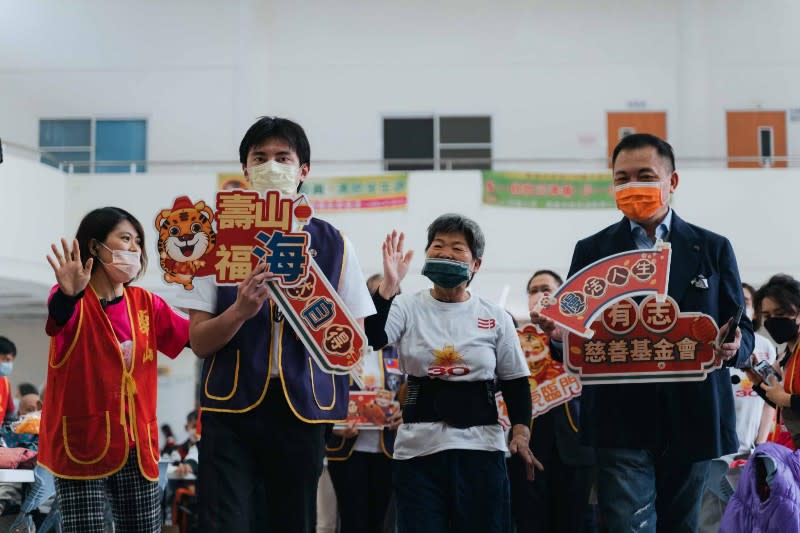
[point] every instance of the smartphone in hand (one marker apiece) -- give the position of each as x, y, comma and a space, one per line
764, 370
730, 335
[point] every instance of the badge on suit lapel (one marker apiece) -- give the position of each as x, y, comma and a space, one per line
699, 282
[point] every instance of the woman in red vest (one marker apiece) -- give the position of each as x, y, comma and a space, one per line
99, 432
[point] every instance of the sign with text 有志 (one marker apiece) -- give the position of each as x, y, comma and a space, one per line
650, 341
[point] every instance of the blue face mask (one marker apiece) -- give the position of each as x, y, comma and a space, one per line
6, 368
446, 273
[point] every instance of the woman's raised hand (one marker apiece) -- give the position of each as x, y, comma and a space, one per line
395, 264
72, 275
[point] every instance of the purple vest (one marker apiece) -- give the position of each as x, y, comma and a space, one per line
236, 378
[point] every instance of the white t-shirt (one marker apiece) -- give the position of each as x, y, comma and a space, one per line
748, 404
465, 341
352, 290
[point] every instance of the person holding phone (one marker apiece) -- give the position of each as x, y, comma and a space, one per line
779, 303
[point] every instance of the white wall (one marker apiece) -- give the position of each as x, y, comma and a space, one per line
547, 72
34, 204
753, 208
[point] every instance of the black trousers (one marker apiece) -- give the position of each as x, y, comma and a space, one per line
363, 485
258, 471
557, 500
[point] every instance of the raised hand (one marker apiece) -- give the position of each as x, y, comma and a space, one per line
395, 264
72, 275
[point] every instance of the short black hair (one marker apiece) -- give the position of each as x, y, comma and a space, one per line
643, 140
555, 276
98, 224
27, 388
280, 128
782, 288
7, 347
455, 223
191, 417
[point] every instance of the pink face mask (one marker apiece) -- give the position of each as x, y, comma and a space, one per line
124, 265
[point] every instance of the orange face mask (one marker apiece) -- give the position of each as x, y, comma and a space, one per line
639, 201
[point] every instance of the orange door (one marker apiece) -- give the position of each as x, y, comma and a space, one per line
624, 123
756, 134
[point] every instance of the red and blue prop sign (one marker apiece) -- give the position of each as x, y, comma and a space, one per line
580, 300
230, 242
551, 385
652, 341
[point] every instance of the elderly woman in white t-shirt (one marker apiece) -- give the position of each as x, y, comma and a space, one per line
458, 349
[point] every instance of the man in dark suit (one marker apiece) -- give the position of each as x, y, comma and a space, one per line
654, 441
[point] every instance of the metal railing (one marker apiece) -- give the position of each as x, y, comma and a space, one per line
400, 165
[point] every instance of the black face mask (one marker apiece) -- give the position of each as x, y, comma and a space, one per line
781, 328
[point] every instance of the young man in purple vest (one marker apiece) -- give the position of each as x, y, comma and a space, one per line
265, 402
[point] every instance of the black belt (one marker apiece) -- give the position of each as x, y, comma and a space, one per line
460, 404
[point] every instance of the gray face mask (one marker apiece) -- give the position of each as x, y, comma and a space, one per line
446, 273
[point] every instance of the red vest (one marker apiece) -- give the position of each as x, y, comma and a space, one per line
5, 392
94, 404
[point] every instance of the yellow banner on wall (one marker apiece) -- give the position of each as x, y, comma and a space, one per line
351, 193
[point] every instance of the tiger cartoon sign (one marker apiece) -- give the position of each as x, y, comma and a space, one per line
247, 228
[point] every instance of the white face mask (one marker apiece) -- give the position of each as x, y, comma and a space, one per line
274, 176
124, 265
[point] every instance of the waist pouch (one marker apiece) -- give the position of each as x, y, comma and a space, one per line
459, 404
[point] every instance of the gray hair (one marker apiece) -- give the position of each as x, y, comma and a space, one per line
455, 223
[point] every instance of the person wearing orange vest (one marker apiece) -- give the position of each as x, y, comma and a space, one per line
8, 352
99, 433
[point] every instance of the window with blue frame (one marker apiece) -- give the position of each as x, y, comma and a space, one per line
94, 145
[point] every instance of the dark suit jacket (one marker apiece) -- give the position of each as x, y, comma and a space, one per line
689, 421
556, 431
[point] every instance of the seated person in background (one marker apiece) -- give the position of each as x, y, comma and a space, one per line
22, 390
189, 463
8, 353
170, 444
192, 434
25, 433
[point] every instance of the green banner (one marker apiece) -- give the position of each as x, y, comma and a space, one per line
549, 190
